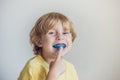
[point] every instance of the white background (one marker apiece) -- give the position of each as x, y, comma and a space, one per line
96, 50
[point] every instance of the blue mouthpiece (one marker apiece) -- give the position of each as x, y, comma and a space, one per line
57, 46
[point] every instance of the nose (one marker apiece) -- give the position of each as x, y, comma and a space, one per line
60, 37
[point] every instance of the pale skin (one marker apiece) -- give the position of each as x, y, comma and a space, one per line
54, 56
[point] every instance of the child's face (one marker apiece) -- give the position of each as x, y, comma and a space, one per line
54, 36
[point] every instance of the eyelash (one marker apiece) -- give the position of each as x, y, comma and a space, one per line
54, 33
51, 32
66, 33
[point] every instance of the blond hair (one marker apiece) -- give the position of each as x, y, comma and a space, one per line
45, 23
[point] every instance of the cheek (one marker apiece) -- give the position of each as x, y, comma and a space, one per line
69, 43
69, 40
47, 42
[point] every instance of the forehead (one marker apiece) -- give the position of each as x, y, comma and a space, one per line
63, 25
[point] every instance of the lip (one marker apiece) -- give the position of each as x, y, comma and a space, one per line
58, 45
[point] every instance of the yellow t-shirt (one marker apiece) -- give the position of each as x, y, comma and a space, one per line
37, 69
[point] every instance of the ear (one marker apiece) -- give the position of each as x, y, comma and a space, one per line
38, 42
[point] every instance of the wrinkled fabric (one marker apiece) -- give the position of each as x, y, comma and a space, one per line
37, 69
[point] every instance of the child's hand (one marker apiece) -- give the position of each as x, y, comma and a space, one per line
57, 67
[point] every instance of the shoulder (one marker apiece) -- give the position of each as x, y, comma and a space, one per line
34, 61
37, 61
34, 68
35, 65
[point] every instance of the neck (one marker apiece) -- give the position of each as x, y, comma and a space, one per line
48, 59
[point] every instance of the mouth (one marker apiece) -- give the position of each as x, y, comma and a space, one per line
59, 45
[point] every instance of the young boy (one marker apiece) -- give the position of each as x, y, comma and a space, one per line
48, 64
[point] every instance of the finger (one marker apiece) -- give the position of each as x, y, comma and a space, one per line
59, 53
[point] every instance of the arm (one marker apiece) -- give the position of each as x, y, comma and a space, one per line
56, 68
